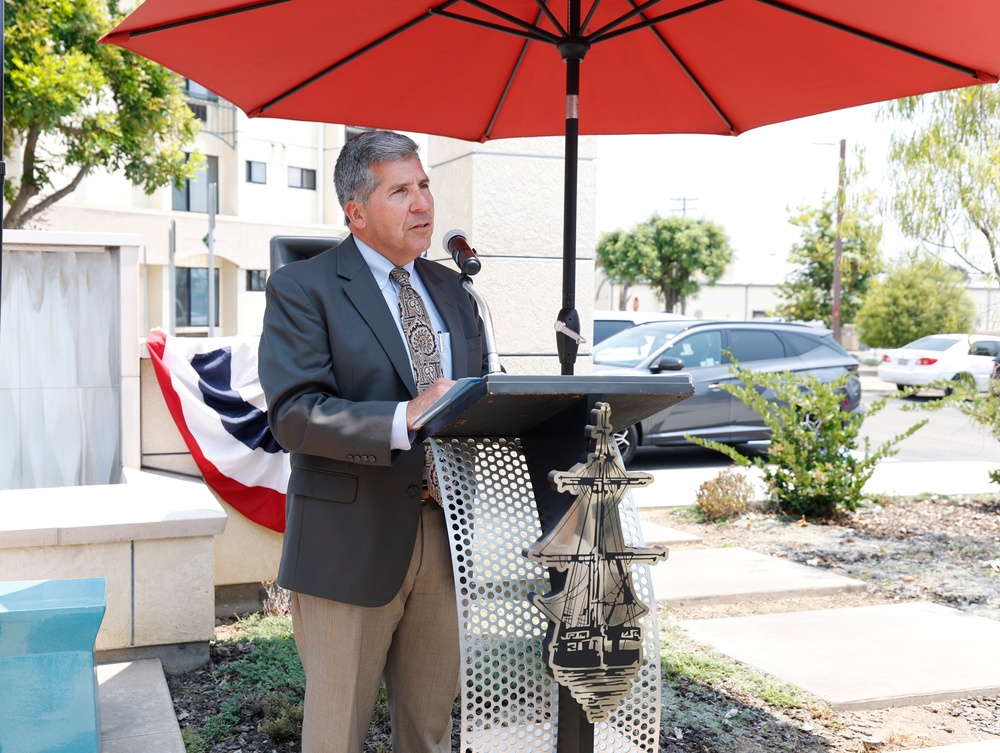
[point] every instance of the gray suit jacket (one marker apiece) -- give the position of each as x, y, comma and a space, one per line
333, 367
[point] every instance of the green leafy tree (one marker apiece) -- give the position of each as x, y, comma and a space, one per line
675, 255
806, 294
918, 296
72, 106
944, 169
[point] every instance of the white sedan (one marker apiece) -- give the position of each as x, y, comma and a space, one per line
938, 359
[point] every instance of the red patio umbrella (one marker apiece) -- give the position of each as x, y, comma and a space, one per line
479, 70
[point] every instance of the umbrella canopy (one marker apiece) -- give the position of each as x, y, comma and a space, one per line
479, 70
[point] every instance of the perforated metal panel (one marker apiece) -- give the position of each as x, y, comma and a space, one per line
635, 724
509, 701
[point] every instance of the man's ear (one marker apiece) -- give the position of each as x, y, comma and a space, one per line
355, 214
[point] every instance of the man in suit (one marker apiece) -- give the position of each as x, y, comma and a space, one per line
365, 550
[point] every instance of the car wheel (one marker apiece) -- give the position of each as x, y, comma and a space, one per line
963, 380
627, 440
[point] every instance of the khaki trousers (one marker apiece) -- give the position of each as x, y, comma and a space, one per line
412, 642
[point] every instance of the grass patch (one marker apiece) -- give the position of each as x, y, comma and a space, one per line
260, 682
720, 701
265, 686
683, 658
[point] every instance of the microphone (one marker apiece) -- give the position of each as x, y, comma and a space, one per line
457, 245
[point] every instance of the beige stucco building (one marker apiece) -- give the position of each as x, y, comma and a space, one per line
275, 177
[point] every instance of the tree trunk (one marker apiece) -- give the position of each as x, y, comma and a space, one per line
19, 212
27, 190
670, 300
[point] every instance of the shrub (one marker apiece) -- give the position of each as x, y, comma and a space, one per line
724, 496
814, 467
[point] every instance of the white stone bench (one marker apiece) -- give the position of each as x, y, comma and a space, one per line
151, 537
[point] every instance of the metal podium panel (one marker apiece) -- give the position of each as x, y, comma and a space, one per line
508, 697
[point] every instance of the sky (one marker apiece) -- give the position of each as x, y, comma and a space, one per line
746, 184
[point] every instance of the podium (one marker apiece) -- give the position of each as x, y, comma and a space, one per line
494, 447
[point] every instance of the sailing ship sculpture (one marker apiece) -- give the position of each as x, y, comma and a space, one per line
594, 640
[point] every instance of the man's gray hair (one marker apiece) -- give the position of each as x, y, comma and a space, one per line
353, 176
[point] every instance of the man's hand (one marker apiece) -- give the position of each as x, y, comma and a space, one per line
426, 399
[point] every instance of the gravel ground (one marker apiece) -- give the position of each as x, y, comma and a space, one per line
945, 550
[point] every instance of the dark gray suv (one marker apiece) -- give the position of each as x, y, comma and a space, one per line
700, 348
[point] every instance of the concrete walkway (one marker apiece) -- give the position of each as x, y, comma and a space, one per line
866, 657
137, 714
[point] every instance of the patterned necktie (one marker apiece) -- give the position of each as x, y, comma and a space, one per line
420, 337
422, 342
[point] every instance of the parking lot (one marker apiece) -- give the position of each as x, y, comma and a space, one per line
948, 435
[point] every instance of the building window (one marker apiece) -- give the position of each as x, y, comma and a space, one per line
192, 297
193, 195
256, 172
256, 279
301, 177
200, 111
198, 91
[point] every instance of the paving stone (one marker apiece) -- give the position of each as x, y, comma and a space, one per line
714, 576
137, 713
867, 657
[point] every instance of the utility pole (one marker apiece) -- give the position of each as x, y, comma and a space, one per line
684, 204
838, 244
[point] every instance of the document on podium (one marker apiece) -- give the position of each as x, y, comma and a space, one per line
459, 388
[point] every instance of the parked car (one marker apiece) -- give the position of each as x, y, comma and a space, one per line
942, 359
699, 348
607, 323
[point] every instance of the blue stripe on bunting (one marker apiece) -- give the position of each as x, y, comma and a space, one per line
242, 420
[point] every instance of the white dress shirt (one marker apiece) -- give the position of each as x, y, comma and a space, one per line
380, 268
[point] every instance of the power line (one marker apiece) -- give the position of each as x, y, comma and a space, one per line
684, 204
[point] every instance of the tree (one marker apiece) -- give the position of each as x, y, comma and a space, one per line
675, 255
919, 296
944, 169
806, 294
72, 105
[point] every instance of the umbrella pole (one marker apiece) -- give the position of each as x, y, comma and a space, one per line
568, 320
576, 733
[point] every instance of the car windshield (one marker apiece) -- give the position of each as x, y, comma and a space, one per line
931, 343
636, 344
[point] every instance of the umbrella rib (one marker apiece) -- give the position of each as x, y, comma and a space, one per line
611, 32
206, 17
972, 72
509, 84
687, 71
345, 60
590, 15
526, 30
636, 10
543, 6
